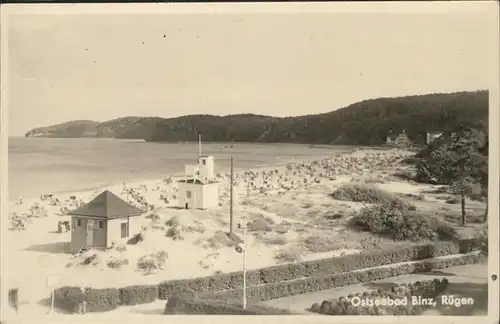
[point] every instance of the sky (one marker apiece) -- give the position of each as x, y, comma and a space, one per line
105, 66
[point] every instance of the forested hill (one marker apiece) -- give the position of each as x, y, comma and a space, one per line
364, 123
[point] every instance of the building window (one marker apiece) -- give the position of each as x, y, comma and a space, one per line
188, 194
78, 223
124, 230
101, 224
203, 162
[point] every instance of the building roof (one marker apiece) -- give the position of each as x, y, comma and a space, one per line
108, 206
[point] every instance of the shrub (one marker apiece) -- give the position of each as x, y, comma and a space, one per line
116, 263
398, 222
197, 227
68, 298
412, 160
102, 300
90, 260
151, 262
424, 289
173, 221
222, 239
140, 294
153, 217
98, 300
363, 193
121, 248
452, 200
405, 175
137, 238
174, 233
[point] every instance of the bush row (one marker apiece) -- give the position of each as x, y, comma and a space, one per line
99, 300
401, 293
193, 306
261, 293
102, 300
277, 274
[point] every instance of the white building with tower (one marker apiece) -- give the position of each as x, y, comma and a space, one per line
199, 189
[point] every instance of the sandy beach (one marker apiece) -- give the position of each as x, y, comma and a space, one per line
292, 217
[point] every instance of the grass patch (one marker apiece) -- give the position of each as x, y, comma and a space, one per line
452, 200
275, 240
260, 224
405, 175
318, 244
287, 256
482, 238
222, 239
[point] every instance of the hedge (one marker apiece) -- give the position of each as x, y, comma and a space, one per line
98, 300
344, 306
139, 294
69, 298
193, 306
313, 268
256, 294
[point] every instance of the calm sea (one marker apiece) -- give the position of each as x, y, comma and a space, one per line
39, 165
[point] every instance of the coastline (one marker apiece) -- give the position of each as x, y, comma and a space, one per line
179, 175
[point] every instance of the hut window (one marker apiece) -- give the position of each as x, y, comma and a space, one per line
101, 224
203, 162
188, 194
124, 230
79, 223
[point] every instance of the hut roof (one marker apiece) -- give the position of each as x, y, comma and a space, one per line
108, 206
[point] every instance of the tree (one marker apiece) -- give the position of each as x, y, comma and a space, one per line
461, 163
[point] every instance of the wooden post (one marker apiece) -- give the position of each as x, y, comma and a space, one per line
51, 301
462, 205
231, 199
245, 265
14, 298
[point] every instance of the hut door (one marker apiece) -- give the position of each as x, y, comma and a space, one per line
189, 199
90, 233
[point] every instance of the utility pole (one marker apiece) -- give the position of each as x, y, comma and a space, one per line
231, 200
245, 264
199, 144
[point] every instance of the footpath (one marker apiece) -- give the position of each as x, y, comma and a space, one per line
470, 281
